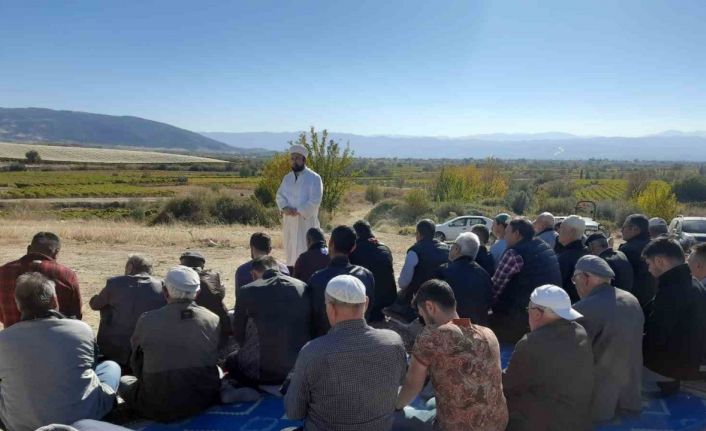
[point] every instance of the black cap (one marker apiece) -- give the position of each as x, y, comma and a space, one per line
192, 254
595, 236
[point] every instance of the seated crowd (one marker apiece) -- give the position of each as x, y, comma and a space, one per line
593, 328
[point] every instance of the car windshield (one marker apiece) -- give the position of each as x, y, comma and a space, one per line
694, 226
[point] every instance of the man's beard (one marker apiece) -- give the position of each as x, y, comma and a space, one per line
297, 168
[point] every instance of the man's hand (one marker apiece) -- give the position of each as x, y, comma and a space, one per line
290, 211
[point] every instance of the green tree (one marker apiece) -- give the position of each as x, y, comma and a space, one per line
658, 200
272, 173
33, 156
332, 162
373, 193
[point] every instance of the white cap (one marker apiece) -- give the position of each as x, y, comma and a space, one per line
555, 299
346, 288
298, 149
183, 278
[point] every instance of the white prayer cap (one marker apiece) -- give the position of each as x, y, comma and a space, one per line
346, 288
183, 278
298, 149
556, 299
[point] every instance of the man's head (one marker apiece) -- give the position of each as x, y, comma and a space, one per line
181, 282
548, 304
657, 226
543, 222
435, 302
597, 243
363, 230
192, 259
500, 224
298, 154
590, 272
342, 241
697, 261
482, 232
345, 299
634, 226
260, 244
466, 244
314, 236
426, 229
662, 254
45, 243
35, 294
262, 264
138, 264
571, 229
518, 230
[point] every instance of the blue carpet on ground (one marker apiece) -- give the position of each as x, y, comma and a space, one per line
681, 412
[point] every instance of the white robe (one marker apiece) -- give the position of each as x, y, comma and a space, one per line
303, 193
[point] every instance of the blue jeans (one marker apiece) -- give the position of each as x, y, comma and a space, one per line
109, 373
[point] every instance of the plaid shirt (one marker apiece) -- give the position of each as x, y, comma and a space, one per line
510, 264
348, 379
67, 290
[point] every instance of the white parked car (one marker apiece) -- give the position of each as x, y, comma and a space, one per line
451, 229
689, 227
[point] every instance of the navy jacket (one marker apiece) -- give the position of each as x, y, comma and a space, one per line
472, 288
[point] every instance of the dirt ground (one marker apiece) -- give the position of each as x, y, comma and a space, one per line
97, 250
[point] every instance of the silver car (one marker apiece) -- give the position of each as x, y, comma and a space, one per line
449, 230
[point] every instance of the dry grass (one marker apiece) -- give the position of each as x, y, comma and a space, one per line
97, 250
56, 153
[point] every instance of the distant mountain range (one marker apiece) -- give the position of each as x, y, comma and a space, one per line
41, 125
670, 145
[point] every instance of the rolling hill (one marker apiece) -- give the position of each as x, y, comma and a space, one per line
39, 125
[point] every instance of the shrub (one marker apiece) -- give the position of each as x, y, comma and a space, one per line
416, 205
16, 167
270, 179
692, 189
385, 210
212, 207
518, 202
658, 200
228, 209
558, 206
32, 156
558, 189
191, 209
373, 193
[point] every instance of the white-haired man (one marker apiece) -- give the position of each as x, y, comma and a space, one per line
48, 372
298, 197
549, 380
174, 354
349, 378
470, 283
571, 238
544, 228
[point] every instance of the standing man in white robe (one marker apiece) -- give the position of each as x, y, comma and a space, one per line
299, 197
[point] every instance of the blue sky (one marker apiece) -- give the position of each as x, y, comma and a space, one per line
370, 67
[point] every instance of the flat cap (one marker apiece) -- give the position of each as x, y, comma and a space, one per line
192, 254
594, 236
594, 265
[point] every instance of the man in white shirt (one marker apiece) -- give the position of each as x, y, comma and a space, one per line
298, 197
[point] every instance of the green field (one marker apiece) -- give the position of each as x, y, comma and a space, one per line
103, 183
598, 190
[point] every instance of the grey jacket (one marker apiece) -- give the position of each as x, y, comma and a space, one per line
549, 379
614, 322
174, 355
121, 302
46, 374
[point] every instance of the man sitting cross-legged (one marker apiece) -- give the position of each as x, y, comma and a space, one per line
48, 371
271, 324
348, 379
463, 360
174, 354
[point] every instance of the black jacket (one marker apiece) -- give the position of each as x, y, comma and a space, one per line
317, 287
279, 307
568, 257
675, 328
377, 258
431, 254
312, 260
211, 297
620, 265
644, 285
472, 288
485, 260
